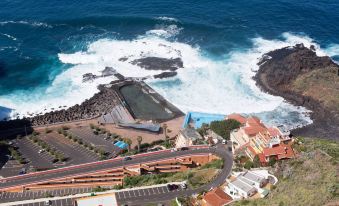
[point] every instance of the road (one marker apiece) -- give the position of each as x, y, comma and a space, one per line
220, 150
46, 176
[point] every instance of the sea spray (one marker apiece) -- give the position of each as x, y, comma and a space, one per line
204, 84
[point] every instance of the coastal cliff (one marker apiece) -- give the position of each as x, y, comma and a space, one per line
301, 77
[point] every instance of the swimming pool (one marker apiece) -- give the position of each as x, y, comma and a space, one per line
198, 118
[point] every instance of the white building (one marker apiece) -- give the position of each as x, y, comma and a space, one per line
99, 200
187, 137
239, 188
247, 184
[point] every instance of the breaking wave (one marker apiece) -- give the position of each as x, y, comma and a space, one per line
204, 84
9, 36
29, 23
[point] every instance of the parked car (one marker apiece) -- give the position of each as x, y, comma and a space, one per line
127, 158
184, 148
172, 187
22, 171
41, 151
174, 150
48, 202
224, 141
183, 185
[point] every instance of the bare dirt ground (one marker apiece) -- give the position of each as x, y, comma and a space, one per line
173, 128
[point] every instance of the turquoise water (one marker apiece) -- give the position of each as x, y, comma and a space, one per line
198, 118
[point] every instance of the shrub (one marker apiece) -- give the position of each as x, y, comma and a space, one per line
48, 130
60, 130
65, 128
256, 161
64, 133
272, 161
35, 133
248, 164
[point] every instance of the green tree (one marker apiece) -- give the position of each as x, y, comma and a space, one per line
224, 127
256, 161
128, 141
248, 164
272, 161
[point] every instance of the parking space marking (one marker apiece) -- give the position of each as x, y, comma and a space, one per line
124, 195
159, 191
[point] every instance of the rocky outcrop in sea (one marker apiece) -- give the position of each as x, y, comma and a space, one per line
278, 71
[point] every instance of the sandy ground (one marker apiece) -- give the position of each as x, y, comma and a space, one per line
173, 128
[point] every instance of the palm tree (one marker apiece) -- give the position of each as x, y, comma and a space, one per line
164, 126
139, 139
129, 142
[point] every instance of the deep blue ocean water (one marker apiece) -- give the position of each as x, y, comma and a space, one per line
34, 32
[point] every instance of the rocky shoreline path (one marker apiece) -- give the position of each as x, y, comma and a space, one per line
304, 79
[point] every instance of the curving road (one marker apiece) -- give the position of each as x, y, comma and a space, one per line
219, 150
39, 177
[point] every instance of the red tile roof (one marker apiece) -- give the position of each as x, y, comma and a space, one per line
262, 158
282, 151
253, 130
217, 197
237, 117
254, 121
274, 131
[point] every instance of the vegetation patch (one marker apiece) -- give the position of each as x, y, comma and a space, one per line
195, 177
309, 179
224, 127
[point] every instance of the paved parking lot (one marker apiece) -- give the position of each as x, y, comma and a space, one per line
137, 193
29, 195
121, 196
74, 151
62, 202
11, 167
88, 136
30, 151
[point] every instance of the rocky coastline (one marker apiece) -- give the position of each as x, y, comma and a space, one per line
281, 70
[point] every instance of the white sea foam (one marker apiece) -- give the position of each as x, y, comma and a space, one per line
164, 32
332, 50
9, 36
169, 19
203, 85
29, 23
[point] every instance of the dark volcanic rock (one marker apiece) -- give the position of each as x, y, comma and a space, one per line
277, 72
157, 63
101, 102
108, 71
123, 59
88, 77
165, 75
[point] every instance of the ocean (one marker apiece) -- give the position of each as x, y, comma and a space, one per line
46, 47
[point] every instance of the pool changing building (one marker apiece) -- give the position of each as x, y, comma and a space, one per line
187, 137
